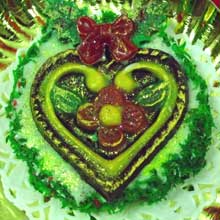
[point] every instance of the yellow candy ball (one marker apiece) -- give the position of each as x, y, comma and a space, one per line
110, 115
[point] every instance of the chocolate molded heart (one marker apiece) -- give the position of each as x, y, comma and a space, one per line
110, 173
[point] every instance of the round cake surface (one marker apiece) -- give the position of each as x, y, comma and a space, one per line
112, 111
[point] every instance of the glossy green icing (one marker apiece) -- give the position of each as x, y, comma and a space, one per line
94, 79
125, 81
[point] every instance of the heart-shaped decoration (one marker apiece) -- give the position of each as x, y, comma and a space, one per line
109, 120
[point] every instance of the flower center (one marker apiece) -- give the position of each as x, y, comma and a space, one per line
110, 115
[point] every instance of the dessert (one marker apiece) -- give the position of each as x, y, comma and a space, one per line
108, 121
116, 111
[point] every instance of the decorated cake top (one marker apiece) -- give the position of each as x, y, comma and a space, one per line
111, 117
109, 123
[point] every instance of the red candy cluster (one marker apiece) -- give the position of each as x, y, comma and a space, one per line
111, 137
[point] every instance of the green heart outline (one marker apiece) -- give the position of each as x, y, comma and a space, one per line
116, 166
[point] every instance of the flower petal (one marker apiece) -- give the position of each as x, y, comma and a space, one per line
133, 118
111, 139
109, 95
86, 117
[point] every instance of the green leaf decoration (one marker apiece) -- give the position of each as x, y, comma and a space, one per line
66, 101
152, 95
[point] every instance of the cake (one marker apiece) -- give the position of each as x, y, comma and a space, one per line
109, 110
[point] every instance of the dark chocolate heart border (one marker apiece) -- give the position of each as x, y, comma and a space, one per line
98, 181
